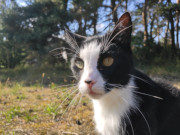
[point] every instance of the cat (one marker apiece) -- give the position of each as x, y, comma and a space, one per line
125, 100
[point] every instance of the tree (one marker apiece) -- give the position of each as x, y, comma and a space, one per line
114, 11
35, 25
144, 16
86, 14
177, 27
11, 53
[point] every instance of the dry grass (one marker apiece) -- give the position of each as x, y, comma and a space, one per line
31, 110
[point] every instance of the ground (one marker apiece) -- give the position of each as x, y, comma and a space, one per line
39, 107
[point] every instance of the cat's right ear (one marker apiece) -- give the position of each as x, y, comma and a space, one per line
74, 40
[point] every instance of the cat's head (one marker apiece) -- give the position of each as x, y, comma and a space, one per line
101, 62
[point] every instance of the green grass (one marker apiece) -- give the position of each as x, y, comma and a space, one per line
166, 69
52, 109
13, 112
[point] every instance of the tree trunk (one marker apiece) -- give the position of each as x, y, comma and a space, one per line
158, 30
65, 4
85, 27
144, 18
94, 23
126, 5
177, 27
80, 28
166, 33
151, 27
114, 11
172, 29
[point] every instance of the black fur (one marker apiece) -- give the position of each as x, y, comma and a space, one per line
163, 116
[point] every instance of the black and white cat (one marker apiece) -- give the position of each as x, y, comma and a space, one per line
125, 101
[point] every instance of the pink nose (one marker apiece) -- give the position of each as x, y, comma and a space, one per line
90, 83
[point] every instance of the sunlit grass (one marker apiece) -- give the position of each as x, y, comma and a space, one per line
38, 110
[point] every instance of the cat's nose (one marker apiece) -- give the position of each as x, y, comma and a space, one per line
90, 83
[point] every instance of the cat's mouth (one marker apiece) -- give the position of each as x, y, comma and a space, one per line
94, 95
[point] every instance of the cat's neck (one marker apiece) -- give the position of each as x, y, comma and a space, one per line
112, 108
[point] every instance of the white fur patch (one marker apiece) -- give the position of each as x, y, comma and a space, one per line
111, 108
90, 55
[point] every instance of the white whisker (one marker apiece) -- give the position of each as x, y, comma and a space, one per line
67, 85
108, 45
70, 104
148, 95
78, 104
140, 79
67, 97
130, 123
108, 37
144, 119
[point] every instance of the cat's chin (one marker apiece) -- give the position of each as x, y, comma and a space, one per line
95, 96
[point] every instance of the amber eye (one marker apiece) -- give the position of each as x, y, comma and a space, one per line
108, 61
79, 64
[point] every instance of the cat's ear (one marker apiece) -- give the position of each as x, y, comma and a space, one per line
74, 40
123, 26
124, 23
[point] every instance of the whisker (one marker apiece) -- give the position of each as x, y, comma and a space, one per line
66, 99
78, 106
67, 85
144, 119
68, 90
107, 46
141, 115
148, 95
121, 86
108, 37
70, 104
140, 79
130, 123
66, 93
61, 48
74, 102
73, 41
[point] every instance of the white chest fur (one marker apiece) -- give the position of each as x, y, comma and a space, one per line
112, 108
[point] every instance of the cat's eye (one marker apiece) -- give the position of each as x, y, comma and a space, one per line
79, 64
108, 61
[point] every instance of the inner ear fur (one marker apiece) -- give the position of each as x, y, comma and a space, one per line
73, 39
123, 25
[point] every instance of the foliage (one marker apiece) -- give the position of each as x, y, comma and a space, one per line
29, 32
35, 24
155, 54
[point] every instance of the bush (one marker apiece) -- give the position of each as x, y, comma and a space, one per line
155, 54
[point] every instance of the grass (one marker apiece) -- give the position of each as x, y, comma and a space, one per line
40, 113
160, 70
30, 101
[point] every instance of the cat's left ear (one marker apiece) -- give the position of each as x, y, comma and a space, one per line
123, 26
74, 40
